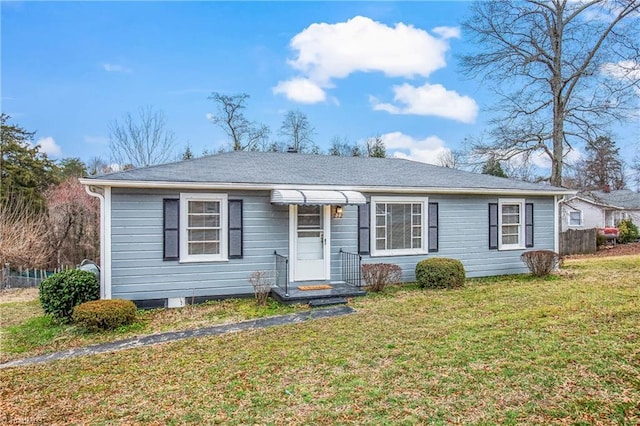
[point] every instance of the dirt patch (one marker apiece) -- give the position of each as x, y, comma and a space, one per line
18, 295
617, 250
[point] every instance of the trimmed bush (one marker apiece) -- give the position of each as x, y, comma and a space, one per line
628, 231
104, 314
540, 262
440, 272
379, 275
61, 292
261, 282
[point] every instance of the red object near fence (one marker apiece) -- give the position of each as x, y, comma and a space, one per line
610, 234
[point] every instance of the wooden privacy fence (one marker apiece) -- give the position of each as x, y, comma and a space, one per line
578, 241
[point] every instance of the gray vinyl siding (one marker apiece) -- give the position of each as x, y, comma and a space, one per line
463, 234
139, 271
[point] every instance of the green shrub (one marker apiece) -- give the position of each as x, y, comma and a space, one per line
440, 272
600, 239
628, 231
105, 314
61, 292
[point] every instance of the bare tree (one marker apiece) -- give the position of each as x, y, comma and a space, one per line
340, 146
451, 159
72, 223
563, 71
635, 168
23, 235
97, 165
298, 131
141, 140
245, 135
602, 167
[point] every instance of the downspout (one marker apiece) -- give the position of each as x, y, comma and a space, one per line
105, 263
556, 222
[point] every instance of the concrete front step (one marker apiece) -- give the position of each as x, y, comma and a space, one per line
337, 291
327, 302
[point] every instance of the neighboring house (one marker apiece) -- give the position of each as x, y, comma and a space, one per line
198, 228
599, 209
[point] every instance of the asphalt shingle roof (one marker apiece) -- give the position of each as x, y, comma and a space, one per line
623, 198
307, 169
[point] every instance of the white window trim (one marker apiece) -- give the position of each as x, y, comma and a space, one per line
185, 257
569, 219
399, 200
521, 237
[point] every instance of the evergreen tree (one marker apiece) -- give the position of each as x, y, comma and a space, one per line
187, 154
71, 167
376, 148
25, 172
493, 167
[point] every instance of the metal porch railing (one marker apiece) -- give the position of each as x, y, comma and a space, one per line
282, 272
351, 268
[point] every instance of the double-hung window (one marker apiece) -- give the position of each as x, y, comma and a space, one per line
203, 227
575, 218
511, 224
399, 226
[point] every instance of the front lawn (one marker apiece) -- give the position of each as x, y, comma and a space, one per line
512, 350
25, 330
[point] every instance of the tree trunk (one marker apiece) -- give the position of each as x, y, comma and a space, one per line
558, 101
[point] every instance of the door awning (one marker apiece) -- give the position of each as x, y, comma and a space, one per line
316, 197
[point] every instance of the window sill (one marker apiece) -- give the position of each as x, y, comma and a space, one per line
510, 248
204, 260
389, 253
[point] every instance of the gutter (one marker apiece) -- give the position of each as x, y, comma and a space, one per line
269, 187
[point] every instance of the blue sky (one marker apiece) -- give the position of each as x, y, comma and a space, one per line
355, 69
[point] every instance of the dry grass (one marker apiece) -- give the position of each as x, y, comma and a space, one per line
509, 350
25, 331
18, 295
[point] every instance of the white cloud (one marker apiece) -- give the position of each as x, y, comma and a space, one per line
447, 32
210, 116
622, 70
301, 90
328, 51
541, 160
429, 99
49, 146
427, 150
325, 52
116, 68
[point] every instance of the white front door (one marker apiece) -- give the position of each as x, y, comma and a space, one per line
310, 241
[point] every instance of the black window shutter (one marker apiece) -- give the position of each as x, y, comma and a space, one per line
528, 225
171, 225
235, 229
493, 226
363, 228
433, 227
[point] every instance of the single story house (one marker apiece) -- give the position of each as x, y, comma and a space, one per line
198, 228
600, 209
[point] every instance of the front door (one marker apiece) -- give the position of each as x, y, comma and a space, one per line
311, 242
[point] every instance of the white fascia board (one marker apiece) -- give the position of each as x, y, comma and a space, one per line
597, 204
271, 186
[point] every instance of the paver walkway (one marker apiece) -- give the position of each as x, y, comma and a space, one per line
172, 336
